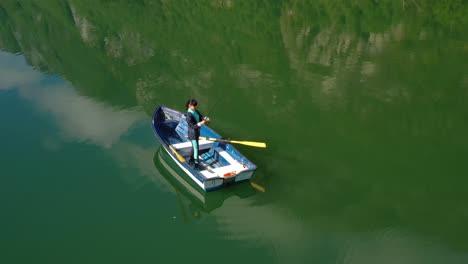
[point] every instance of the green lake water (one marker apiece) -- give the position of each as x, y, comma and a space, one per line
363, 105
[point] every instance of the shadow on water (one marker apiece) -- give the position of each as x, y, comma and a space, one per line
199, 202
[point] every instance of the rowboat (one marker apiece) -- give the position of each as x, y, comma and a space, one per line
221, 163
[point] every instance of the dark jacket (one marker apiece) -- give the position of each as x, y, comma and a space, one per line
193, 128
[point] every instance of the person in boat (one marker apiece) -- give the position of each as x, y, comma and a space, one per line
195, 121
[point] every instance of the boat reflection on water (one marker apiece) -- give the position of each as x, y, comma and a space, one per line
199, 201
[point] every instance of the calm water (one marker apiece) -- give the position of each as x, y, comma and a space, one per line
363, 106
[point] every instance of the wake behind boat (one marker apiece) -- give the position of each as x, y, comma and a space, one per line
220, 162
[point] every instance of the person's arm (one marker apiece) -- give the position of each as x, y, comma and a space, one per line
205, 119
192, 123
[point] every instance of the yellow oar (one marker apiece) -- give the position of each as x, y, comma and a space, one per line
179, 157
247, 143
258, 187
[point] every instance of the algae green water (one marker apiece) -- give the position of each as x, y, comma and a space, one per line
363, 105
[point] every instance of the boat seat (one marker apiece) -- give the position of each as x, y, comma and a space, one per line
234, 165
226, 156
232, 168
202, 144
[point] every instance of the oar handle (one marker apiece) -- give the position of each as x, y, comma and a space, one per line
214, 139
247, 143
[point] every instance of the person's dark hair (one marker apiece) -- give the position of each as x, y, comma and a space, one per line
191, 102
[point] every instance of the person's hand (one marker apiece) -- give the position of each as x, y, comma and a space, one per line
205, 120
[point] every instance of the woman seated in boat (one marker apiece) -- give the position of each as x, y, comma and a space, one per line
195, 121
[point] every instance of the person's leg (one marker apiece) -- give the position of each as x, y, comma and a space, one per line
198, 151
195, 150
191, 160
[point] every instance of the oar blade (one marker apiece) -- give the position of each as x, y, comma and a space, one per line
179, 157
251, 143
258, 187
